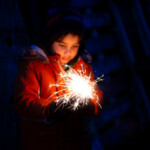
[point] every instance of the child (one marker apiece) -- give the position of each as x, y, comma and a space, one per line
44, 125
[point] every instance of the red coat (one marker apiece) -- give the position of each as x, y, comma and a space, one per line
32, 95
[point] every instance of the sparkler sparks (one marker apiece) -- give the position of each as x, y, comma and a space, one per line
78, 89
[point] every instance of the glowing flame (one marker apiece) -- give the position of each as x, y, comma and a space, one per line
80, 89
80, 86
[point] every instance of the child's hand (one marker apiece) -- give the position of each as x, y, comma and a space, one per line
87, 110
82, 109
55, 111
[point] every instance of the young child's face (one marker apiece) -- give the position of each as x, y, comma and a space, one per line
67, 47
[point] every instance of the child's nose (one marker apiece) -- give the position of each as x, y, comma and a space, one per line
68, 50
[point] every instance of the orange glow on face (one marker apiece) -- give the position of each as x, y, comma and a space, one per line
67, 47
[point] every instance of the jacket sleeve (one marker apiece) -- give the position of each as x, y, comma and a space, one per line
27, 101
98, 94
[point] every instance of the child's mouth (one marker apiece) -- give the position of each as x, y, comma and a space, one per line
65, 59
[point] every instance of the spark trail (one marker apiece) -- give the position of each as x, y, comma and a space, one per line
80, 89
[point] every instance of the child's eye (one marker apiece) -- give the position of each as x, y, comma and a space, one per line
61, 45
76, 46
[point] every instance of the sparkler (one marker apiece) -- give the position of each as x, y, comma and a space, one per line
80, 89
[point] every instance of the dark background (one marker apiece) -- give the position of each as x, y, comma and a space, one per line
118, 38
